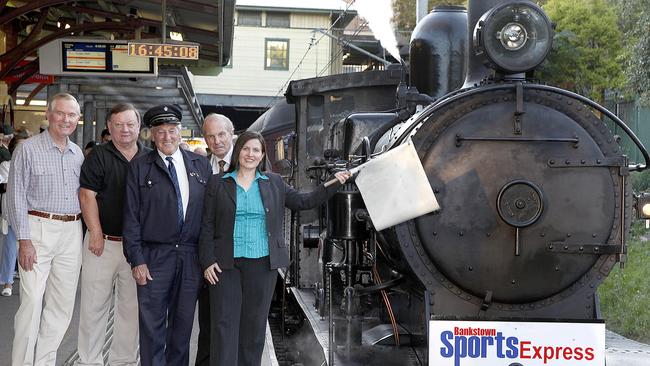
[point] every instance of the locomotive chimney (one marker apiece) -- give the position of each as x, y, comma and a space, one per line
476, 70
438, 50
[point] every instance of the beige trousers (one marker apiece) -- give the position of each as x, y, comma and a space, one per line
100, 278
47, 293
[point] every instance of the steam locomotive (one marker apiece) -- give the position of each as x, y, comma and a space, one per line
532, 184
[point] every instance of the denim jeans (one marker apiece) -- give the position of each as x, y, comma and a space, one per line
8, 258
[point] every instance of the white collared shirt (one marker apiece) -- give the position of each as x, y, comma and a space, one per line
214, 161
181, 173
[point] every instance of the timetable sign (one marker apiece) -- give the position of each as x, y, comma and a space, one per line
102, 57
182, 51
93, 57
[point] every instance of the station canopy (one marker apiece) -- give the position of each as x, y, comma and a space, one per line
29, 25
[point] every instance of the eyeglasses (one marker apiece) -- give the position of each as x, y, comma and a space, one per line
63, 115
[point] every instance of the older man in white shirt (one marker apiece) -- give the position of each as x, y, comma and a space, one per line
45, 214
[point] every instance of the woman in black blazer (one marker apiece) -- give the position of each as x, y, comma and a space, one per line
242, 245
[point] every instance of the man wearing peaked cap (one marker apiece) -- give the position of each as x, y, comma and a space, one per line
163, 114
162, 219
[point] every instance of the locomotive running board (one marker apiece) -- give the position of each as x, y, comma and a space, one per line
319, 327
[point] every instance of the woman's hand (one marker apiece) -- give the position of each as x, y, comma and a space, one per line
141, 274
343, 176
210, 274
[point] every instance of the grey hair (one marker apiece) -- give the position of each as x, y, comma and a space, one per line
64, 96
219, 117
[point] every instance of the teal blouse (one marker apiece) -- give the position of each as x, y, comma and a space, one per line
250, 235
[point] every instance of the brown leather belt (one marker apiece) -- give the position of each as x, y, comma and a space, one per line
112, 238
47, 215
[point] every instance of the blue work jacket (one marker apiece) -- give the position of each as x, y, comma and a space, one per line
151, 211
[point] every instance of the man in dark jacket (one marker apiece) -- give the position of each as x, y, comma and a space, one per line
218, 132
162, 219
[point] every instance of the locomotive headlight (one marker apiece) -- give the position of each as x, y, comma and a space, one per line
643, 205
515, 37
645, 210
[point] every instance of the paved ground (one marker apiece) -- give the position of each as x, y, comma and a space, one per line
9, 305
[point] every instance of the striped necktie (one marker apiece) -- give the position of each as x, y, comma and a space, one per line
222, 164
177, 188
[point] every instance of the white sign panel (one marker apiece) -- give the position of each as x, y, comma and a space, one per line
395, 187
493, 343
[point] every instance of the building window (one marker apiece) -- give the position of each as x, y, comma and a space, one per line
250, 18
276, 54
277, 20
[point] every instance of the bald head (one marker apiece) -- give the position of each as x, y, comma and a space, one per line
218, 131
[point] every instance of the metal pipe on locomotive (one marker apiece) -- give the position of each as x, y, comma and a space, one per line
532, 185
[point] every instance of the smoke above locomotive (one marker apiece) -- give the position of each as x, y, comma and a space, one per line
532, 184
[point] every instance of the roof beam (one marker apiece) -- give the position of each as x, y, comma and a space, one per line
30, 38
145, 21
34, 93
32, 5
191, 5
104, 26
3, 3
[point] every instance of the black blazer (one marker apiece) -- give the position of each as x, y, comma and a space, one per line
150, 210
218, 226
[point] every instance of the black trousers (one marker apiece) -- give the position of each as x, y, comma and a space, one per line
166, 305
240, 304
203, 343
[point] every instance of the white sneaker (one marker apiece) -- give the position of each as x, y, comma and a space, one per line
6, 291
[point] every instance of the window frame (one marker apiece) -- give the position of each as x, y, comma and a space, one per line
266, 49
271, 14
239, 13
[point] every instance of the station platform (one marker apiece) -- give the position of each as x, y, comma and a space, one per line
67, 351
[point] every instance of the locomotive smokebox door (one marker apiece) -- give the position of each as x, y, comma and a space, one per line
531, 220
519, 204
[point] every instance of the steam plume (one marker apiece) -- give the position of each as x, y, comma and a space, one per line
379, 13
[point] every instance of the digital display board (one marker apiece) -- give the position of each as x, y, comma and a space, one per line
103, 57
177, 51
93, 57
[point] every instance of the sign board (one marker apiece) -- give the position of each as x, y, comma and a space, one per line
471, 343
185, 51
36, 78
395, 187
93, 57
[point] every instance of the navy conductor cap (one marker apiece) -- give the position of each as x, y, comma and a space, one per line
162, 114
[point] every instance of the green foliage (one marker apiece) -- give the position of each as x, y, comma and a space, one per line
635, 22
404, 11
587, 50
640, 181
625, 294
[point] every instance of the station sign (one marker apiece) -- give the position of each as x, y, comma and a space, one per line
181, 51
93, 57
36, 78
471, 343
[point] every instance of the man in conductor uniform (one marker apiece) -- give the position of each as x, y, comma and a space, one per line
162, 219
